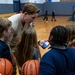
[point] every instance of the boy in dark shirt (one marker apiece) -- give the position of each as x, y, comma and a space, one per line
53, 15
5, 31
46, 16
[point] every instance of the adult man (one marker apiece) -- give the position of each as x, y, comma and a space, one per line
22, 21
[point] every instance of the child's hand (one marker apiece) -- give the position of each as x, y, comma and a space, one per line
0, 74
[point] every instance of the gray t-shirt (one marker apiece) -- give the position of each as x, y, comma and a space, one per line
36, 54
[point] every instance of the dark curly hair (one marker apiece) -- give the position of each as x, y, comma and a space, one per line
59, 35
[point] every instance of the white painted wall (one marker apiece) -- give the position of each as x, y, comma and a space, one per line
37, 1
55, 0
6, 1
24, 1
32, 1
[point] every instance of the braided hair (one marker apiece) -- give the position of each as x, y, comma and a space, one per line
59, 35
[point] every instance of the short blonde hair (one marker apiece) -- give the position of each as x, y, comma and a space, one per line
4, 24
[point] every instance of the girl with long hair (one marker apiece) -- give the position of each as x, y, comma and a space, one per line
27, 48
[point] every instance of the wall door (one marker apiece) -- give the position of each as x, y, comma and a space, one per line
16, 5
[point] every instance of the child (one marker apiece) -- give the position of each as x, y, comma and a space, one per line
5, 31
46, 16
71, 35
27, 48
60, 59
53, 15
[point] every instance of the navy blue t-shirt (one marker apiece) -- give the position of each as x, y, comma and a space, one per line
58, 61
5, 51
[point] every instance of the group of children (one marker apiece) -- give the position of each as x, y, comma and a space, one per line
46, 16
59, 60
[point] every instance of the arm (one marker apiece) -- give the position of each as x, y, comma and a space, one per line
14, 63
13, 58
36, 54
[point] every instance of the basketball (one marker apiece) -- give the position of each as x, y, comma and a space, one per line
30, 67
6, 67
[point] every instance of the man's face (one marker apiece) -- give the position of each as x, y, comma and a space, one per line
30, 18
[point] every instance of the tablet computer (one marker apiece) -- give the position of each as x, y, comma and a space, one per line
43, 44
